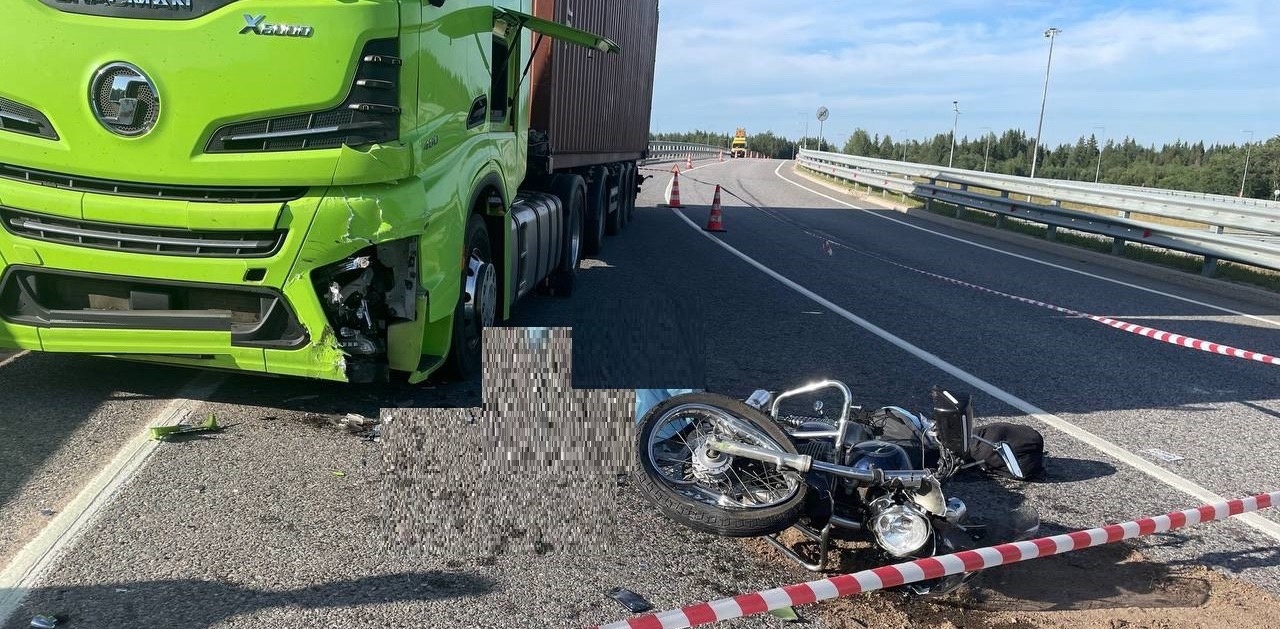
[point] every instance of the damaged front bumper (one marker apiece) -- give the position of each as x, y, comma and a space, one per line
340, 296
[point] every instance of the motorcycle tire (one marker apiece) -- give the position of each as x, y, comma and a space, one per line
706, 518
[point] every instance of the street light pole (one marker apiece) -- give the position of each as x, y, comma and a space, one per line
1035, 153
986, 153
956, 105
1247, 149
1098, 172
904, 145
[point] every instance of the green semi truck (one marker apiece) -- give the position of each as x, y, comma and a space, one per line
349, 191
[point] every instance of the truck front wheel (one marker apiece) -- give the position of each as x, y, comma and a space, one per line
477, 305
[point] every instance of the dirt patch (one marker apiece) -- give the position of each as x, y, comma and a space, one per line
1110, 587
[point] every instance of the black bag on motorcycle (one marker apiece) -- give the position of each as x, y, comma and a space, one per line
1026, 442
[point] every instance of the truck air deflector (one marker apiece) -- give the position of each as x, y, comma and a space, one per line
506, 18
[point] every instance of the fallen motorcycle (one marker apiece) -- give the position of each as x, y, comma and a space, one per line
729, 468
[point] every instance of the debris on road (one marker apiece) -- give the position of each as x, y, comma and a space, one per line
630, 600
1167, 457
162, 433
339, 473
47, 512
44, 622
786, 613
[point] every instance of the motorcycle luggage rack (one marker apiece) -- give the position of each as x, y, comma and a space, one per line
823, 538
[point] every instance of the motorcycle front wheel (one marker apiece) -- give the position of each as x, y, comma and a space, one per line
709, 491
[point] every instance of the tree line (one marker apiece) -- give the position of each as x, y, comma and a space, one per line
1181, 165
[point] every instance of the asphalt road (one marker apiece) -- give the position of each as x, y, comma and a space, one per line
252, 527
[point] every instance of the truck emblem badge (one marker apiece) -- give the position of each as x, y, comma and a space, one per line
124, 99
257, 25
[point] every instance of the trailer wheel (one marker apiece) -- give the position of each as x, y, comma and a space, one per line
477, 303
597, 211
620, 215
572, 194
629, 193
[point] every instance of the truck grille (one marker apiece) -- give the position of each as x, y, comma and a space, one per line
237, 194
25, 120
370, 114
152, 240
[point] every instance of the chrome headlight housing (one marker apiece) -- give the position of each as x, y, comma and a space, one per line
900, 529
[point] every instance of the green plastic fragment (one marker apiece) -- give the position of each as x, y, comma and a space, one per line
786, 613
161, 433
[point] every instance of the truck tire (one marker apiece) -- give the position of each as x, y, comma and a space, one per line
618, 217
573, 195
629, 193
470, 319
597, 211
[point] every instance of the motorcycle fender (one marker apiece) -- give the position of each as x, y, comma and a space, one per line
932, 500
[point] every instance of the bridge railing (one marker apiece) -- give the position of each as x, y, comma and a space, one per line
674, 151
1196, 224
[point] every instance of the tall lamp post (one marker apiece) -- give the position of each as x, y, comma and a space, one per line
1035, 153
904, 144
955, 104
986, 153
1247, 149
1098, 171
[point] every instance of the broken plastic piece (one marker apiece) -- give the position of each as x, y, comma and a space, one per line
160, 433
786, 613
44, 622
630, 600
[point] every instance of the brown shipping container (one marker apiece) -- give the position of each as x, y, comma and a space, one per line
595, 106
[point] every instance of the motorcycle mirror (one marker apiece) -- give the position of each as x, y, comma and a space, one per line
1010, 461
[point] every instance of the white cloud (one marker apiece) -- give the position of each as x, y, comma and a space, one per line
726, 64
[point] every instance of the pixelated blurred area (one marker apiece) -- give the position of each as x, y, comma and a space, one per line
662, 344
535, 470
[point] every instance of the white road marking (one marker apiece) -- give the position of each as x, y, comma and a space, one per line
1028, 258
1180, 483
65, 528
5, 362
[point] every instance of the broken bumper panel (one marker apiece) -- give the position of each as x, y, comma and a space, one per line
257, 314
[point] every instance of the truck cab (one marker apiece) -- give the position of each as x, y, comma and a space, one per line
334, 190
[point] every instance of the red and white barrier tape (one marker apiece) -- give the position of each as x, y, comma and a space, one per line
1152, 333
935, 567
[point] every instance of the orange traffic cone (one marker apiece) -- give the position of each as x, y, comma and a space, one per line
674, 201
715, 222
720, 155
688, 161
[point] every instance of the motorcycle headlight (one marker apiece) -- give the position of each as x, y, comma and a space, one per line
900, 530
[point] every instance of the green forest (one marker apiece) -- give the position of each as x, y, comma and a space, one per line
1196, 167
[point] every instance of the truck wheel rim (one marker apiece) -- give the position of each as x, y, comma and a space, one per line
480, 308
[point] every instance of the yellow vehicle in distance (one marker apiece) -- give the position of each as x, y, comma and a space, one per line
739, 146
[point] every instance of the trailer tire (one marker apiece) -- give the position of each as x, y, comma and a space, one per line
629, 193
469, 320
597, 211
572, 194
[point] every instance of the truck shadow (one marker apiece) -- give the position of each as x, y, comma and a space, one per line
195, 604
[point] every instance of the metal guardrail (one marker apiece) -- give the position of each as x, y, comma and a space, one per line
674, 151
1253, 239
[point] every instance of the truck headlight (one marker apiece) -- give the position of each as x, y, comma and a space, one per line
900, 530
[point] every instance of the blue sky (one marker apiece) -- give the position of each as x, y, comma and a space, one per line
1154, 71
